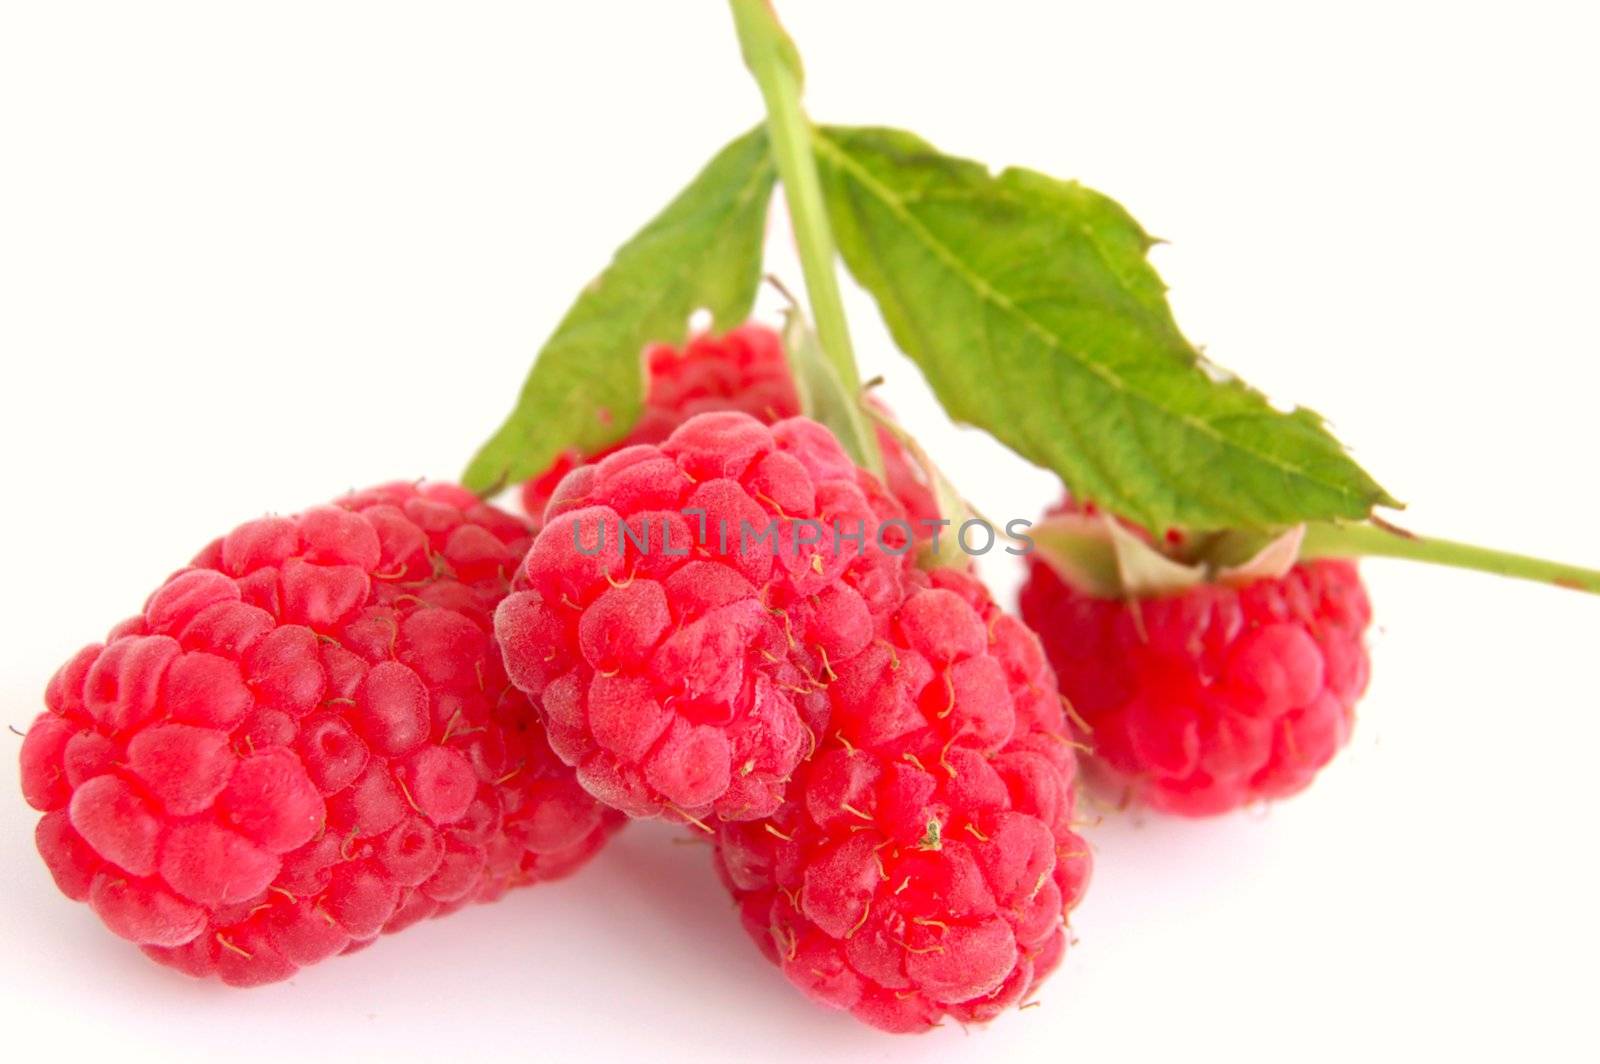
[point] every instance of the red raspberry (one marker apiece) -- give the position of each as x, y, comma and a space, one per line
743, 370
676, 656
924, 861
1201, 702
304, 740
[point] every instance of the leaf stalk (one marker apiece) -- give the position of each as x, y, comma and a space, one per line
1332, 540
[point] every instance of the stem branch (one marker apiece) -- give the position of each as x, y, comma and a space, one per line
773, 61
1366, 540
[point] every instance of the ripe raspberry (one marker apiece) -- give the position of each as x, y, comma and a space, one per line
1200, 702
924, 861
673, 648
304, 740
742, 370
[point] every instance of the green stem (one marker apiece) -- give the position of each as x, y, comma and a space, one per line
1367, 540
775, 64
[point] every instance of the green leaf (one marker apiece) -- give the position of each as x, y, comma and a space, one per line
1030, 306
703, 251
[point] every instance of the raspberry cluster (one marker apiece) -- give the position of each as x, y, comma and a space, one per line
743, 370
306, 739
1201, 702
684, 602
925, 858
333, 725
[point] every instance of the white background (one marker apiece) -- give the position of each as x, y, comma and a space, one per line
255, 254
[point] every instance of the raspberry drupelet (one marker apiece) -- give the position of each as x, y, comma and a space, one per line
925, 859
673, 645
741, 370
1199, 702
305, 740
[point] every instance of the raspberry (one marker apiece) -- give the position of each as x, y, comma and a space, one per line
1201, 702
673, 642
304, 740
742, 370
924, 861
